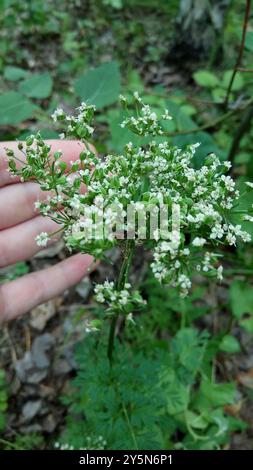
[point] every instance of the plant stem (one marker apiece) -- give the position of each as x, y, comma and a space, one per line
239, 58
122, 280
210, 124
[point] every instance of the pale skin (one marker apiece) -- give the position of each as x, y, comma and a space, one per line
19, 225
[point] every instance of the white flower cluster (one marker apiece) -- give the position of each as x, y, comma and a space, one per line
146, 122
154, 174
118, 300
81, 121
42, 239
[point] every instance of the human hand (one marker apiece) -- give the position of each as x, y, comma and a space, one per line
19, 225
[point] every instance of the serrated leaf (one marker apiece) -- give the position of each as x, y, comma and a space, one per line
38, 86
99, 86
15, 108
177, 397
206, 79
195, 420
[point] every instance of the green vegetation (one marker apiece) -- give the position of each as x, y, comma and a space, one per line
174, 383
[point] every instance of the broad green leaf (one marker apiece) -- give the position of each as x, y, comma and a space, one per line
45, 134
188, 109
208, 145
219, 94
237, 83
206, 79
135, 82
247, 324
241, 298
15, 73
99, 86
15, 108
230, 344
38, 86
249, 41
195, 420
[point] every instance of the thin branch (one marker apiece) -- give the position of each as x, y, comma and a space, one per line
211, 123
241, 69
239, 58
201, 128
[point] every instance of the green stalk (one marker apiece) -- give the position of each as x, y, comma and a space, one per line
122, 280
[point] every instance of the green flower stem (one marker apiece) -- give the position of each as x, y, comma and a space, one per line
122, 280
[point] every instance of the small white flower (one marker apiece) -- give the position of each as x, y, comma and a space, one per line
42, 239
248, 218
249, 183
58, 113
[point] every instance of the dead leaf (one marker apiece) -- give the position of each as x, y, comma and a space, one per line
246, 379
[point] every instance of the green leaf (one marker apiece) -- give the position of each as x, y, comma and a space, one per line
99, 86
218, 394
195, 420
249, 41
247, 324
188, 109
177, 397
230, 344
205, 79
15, 108
219, 95
15, 73
38, 86
241, 298
237, 83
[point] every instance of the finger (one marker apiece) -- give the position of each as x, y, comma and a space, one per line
18, 243
70, 148
23, 294
17, 203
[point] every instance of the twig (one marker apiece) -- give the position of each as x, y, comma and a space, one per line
201, 128
209, 124
241, 69
239, 58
